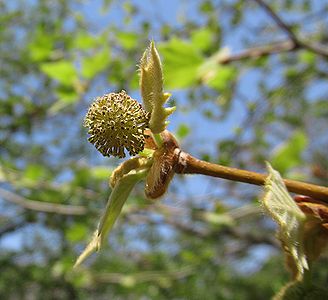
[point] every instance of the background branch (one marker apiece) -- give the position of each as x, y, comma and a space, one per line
298, 43
286, 28
257, 52
42, 206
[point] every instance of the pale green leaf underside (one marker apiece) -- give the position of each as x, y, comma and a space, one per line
116, 200
282, 208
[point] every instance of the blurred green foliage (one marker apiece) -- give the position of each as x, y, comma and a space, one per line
206, 239
288, 155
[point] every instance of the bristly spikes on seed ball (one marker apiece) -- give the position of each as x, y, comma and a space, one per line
117, 122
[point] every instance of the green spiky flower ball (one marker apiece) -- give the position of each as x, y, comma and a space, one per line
117, 122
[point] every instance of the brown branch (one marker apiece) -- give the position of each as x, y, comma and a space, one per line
294, 39
286, 28
257, 52
188, 164
42, 206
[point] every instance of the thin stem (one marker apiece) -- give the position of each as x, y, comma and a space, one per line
298, 43
190, 165
278, 21
307, 279
158, 139
261, 51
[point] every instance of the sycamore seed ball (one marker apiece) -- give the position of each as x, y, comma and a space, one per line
116, 123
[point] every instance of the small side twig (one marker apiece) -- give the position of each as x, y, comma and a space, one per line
8, 228
188, 164
286, 28
298, 42
261, 51
42, 206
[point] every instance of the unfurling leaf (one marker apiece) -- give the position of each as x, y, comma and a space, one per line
291, 220
116, 200
134, 163
151, 85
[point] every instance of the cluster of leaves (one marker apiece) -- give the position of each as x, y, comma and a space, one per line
55, 56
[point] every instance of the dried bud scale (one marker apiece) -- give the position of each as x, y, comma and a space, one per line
117, 122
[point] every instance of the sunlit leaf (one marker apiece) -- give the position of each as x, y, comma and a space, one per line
182, 131
128, 40
308, 57
77, 232
202, 38
41, 45
34, 172
63, 71
100, 172
94, 64
181, 62
215, 75
85, 41
289, 154
223, 76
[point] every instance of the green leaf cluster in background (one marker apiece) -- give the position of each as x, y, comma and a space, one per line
181, 62
95, 63
64, 71
185, 63
289, 154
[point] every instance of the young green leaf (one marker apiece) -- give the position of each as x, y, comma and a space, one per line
182, 61
151, 85
96, 63
216, 75
288, 155
116, 200
202, 38
63, 71
128, 40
